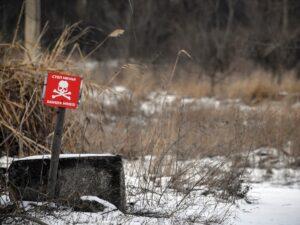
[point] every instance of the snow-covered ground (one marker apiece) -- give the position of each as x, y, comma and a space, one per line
273, 205
156, 197
273, 199
274, 193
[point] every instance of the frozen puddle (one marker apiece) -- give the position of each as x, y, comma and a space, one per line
273, 205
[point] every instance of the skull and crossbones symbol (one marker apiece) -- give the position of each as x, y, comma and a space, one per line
62, 90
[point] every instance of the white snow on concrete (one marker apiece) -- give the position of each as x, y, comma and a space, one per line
63, 156
108, 206
5, 161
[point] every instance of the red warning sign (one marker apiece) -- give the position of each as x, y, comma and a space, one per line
62, 90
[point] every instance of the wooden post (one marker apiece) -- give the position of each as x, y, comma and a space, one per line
55, 151
32, 25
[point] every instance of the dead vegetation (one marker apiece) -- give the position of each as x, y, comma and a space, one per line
26, 125
172, 138
203, 132
24, 121
252, 87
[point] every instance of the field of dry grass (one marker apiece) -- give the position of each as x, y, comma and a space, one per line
254, 87
189, 133
245, 111
273, 119
251, 112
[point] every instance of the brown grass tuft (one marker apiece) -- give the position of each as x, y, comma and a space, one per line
253, 89
25, 124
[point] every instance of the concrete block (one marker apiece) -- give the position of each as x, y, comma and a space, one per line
98, 175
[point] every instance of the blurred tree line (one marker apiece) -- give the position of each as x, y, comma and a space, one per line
217, 33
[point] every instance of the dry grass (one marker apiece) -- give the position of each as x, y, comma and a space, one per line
172, 136
182, 131
190, 133
25, 124
261, 86
257, 87
291, 85
23, 119
186, 132
191, 88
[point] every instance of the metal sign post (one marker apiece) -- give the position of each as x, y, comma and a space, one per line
62, 91
55, 151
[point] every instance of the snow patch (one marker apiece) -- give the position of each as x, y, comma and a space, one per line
273, 206
111, 96
108, 206
157, 101
4, 200
266, 157
5, 161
